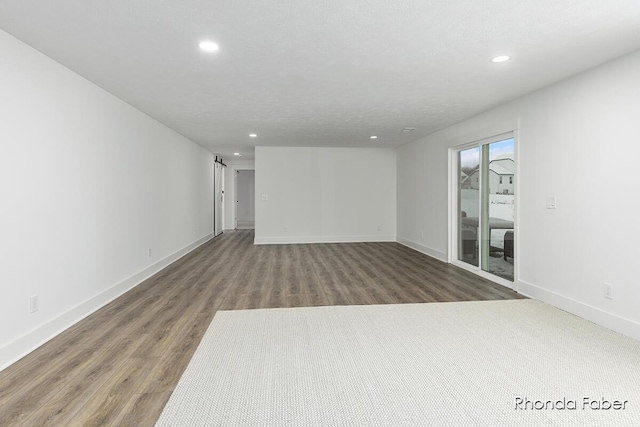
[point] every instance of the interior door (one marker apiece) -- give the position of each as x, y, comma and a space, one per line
218, 204
245, 206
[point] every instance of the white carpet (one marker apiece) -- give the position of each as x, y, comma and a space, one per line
439, 364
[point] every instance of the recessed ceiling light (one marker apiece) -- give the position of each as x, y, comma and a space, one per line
236, 154
408, 129
373, 137
208, 46
501, 58
253, 135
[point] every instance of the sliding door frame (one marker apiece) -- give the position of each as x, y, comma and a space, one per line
453, 199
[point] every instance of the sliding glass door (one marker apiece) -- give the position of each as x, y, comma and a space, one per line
485, 214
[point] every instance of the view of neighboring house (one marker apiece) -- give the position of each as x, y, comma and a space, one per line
501, 170
464, 179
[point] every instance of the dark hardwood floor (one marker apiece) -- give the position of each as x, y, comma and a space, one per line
120, 365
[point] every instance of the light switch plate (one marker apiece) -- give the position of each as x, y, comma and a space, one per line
551, 202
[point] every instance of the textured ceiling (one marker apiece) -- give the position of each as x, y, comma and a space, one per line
321, 73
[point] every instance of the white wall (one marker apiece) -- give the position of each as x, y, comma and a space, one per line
325, 194
246, 206
578, 141
233, 166
89, 184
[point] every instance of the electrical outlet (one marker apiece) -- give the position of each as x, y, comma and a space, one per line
422, 234
265, 197
379, 228
33, 303
149, 252
285, 228
608, 290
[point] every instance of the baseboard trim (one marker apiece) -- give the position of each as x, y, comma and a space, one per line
321, 239
20, 347
596, 315
434, 253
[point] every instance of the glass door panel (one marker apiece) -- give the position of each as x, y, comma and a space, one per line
468, 205
498, 208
